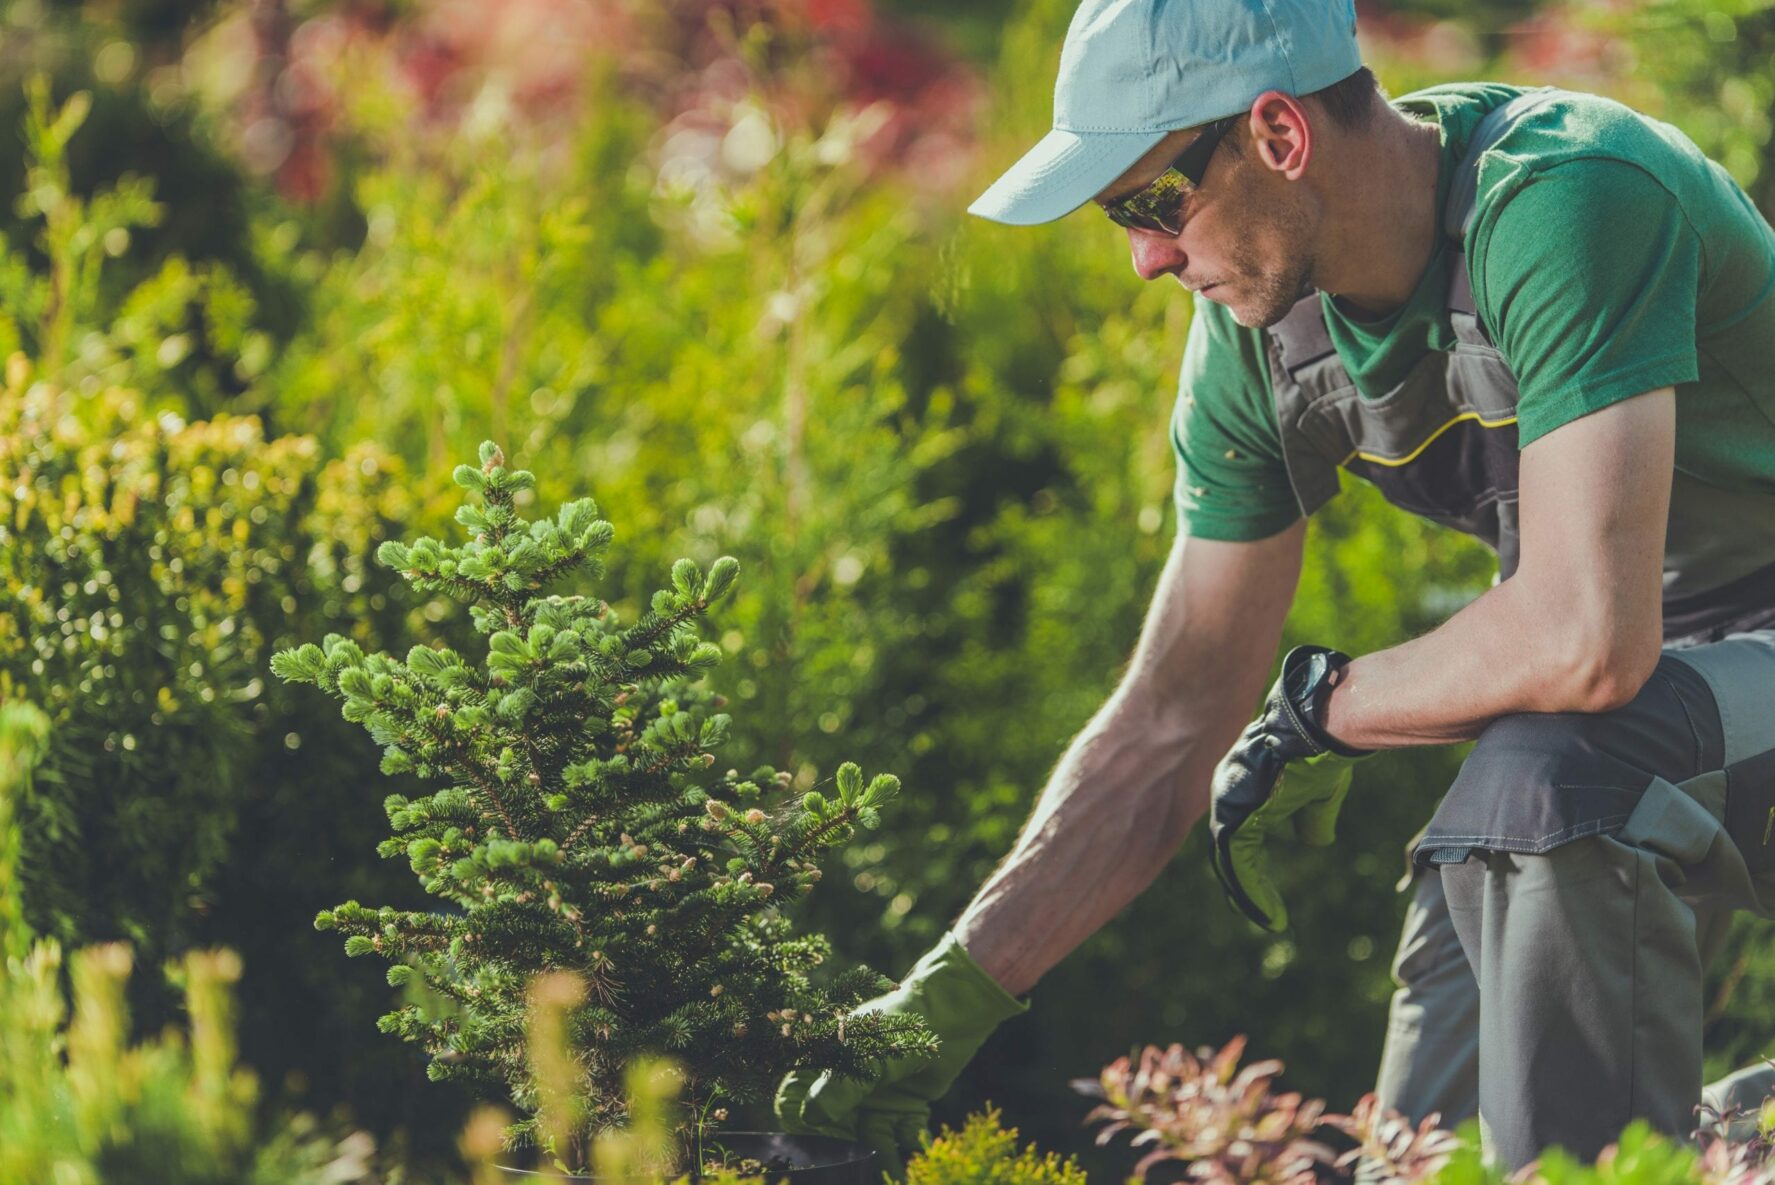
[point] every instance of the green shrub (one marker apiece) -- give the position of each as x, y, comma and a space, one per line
579, 830
984, 1152
1640, 1157
181, 334
150, 565
24, 734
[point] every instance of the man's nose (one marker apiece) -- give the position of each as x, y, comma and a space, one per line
1155, 253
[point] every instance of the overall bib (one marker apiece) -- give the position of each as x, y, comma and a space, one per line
1572, 881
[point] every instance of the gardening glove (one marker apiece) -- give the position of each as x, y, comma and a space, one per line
958, 1002
1285, 777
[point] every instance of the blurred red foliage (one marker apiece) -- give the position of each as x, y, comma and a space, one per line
526, 65
1572, 43
1568, 45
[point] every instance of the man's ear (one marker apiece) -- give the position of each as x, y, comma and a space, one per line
1281, 134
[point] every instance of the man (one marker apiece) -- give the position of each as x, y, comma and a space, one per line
1537, 317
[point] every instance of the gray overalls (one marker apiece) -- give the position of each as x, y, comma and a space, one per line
1581, 869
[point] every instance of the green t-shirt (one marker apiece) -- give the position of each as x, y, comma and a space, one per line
1608, 257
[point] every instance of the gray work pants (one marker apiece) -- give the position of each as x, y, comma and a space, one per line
1557, 992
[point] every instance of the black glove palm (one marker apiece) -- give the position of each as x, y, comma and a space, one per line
1253, 800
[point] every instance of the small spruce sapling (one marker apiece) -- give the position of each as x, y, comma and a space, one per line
579, 829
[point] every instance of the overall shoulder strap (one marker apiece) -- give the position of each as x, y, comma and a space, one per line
1301, 335
1463, 196
1463, 206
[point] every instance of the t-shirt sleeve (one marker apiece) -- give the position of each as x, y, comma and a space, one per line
1589, 288
1232, 483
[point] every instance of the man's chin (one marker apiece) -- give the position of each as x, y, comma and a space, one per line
1244, 314
1254, 316
1223, 295
1258, 301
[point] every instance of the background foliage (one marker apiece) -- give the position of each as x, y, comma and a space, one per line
705, 261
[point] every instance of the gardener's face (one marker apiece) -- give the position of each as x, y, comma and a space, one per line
1243, 234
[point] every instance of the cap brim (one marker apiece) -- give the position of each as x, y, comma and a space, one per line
1061, 173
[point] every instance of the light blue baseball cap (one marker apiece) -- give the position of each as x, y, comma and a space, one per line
1133, 70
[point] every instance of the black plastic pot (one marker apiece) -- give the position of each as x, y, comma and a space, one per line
811, 1160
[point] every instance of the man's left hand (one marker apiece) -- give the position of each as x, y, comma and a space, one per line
1285, 777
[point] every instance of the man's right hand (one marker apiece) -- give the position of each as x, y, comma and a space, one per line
960, 1003
1285, 774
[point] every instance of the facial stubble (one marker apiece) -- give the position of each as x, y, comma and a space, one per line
1273, 289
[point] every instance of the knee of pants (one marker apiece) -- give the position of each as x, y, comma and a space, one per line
1535, 781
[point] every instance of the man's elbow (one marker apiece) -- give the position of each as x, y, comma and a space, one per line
1608, 670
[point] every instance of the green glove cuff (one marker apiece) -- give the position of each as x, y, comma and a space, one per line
959, 1002
955, 995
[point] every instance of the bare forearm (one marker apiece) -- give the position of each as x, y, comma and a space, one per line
1577, 629
1121, 800
1517, 648
1133, 783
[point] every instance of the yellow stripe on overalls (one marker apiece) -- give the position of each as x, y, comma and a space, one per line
1428, 440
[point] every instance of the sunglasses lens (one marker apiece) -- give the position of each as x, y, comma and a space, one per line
1154, 208
1130, 219
1159, 207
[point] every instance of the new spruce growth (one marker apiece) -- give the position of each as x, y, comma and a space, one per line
579, 828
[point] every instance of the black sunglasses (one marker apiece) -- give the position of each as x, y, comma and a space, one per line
1159, 205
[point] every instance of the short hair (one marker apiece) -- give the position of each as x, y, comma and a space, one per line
1352, 102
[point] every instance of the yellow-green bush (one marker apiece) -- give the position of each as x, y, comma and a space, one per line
150, 564
147, 562
984, 1152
